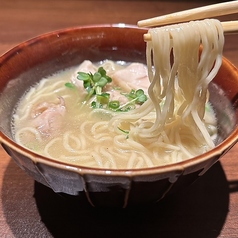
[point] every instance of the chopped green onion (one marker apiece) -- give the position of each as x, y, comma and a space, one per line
103, 98
114, 104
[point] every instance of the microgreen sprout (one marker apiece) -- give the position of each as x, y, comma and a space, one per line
135, 97
94, 84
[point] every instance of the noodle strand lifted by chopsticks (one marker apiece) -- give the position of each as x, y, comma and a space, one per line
182, 60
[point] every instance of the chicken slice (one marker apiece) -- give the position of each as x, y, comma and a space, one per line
87, 67
134, 76
48, 117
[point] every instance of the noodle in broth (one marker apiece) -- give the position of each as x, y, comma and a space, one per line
175, 123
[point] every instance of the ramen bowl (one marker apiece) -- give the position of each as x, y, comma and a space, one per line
27, 63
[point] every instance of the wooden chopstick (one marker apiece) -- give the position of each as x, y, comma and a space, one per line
228, 27
209, 11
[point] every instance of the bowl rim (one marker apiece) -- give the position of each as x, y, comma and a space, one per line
68, 29
219, 150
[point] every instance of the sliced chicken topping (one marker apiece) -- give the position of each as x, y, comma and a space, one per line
132, 77
125, 79
48, 117
87, 67
116, 95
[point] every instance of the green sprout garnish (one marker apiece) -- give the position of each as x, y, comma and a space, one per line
94, 83
135, 97
138, 95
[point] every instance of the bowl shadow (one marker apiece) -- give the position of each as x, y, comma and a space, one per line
197, 211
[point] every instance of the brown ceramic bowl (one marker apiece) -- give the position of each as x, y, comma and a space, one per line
28, 62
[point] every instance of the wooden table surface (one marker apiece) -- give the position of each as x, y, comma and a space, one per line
209, 208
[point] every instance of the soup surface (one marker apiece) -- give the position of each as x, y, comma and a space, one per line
54, 119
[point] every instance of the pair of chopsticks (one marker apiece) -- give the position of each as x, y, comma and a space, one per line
209, 11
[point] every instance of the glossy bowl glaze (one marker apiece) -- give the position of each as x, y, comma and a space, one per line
30, 61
